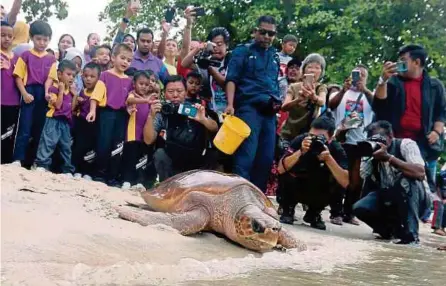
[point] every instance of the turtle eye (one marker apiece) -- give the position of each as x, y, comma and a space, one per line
257, 227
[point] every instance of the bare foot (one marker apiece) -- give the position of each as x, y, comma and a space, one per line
439, 232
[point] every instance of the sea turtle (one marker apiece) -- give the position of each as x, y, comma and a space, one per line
202, 200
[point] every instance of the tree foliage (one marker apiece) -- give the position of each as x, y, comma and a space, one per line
44, 9
345, 32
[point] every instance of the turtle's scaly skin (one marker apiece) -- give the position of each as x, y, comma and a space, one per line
211, 201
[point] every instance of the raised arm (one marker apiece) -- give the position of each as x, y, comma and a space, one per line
389, 70
187, 36
15, 10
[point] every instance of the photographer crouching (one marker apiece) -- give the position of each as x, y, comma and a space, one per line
187, 130
395, 184
311, 168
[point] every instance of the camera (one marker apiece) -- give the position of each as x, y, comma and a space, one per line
168, 108
318, 143
367, 147
204, 58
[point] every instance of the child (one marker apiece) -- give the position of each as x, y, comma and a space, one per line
193, 85
136, 153
93, 40
439, 218
56, 132
112, 114
101, 56
35, 72
10, 96
85, 132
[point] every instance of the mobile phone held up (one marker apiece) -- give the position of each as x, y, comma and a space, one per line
356, 75
308, 79
187, 109
401, 67
170, 14
199, 11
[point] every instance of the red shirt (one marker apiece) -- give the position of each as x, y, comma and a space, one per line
411, 126
181, 70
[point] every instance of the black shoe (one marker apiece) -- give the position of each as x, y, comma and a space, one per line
407, 242
114, 183
318, 223
286, 219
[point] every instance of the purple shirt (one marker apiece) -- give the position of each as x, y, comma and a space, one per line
10, 95
151, 63
84, 105
117, 89
65, 110
36, 69
136, 123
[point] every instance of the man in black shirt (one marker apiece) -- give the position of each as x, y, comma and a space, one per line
312, 167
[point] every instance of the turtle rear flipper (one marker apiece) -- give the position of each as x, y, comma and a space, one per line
186, 223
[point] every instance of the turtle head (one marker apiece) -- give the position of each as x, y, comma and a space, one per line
256, 230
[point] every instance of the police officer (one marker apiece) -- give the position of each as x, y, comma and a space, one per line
253, 95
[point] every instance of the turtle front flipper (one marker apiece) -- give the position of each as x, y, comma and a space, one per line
186, 223
287, 240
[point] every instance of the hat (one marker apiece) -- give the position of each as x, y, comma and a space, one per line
71, 53
314, 58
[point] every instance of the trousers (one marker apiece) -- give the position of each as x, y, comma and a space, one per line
31, 121
137, 165
56, 133
110, 142
9, 116
254, 158
85, 136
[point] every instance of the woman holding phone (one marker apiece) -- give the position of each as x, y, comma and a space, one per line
304, 99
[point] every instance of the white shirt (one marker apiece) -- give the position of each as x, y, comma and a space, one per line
348, 102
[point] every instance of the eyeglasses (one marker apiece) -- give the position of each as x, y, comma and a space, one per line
264, 32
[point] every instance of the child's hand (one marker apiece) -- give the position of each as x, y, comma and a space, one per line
4, 64
27, 98
131, 109
73, 89
91, 116
61, 85
47, 96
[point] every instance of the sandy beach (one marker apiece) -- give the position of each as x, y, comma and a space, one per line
57, 230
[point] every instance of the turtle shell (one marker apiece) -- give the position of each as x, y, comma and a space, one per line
167, 195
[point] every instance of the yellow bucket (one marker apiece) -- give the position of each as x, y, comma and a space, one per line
231, 134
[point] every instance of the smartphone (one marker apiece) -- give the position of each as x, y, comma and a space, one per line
135, 4
199, 11
170, 14
187, 110
308, 79
356, 75
401, 66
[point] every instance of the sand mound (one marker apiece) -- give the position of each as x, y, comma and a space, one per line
63, 231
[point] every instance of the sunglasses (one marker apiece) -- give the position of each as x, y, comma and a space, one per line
264, 32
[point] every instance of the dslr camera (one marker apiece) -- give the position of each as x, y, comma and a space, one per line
204, 58
367, 147
168, 108
318, 143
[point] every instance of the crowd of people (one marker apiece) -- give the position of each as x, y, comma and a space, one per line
141, 111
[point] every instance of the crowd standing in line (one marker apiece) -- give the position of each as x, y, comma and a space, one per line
141, 111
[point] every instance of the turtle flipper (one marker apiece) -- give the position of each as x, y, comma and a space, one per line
287, 240
186, 223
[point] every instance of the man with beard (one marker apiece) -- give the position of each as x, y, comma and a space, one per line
143, 58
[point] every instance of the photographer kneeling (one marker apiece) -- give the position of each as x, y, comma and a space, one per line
313, 165
394, 183
187, 129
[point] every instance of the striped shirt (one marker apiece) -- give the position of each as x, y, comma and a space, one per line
388, 173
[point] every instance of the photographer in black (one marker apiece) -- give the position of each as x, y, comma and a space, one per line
312, 167
394, 183
187, 131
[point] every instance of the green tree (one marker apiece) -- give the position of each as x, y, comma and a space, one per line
44, 9
345, 32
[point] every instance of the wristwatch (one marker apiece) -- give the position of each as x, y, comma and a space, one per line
125, 20
381, 81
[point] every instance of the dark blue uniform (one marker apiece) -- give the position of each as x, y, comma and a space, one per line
254, 70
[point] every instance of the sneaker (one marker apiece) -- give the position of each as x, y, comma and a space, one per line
78, 175
88, 178
351, 220
40, 169
126, 186
336, 220
439, 232
69, 175
408, 242
286, 219
318, 223
16, 163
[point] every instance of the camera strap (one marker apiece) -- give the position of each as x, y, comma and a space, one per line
358, 101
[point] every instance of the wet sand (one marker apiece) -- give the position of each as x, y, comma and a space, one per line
64, 231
